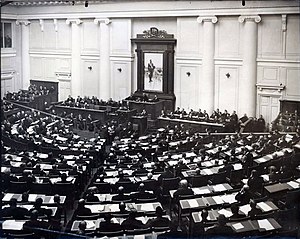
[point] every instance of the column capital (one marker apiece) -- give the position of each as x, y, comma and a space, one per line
212, 19
251, 18
102, 20
42, 24
55, 25
22, 22
76, 21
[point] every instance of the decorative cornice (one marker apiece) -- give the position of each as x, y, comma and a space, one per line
212, 19
283, 22
73, 20
253, 18
42, 24
55, 25
261, 87
102, 20
22, 22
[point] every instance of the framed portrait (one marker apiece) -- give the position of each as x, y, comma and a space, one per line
153, 71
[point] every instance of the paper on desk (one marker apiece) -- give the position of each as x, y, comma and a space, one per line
199, 191
237, 226
90, 224
230, 198
13, 225
265, 207
193, 203
138, 237
225, 212
298, 180
218, 199
96, 208
114, 207
147, 207
245, 209
293, 184
264, 223
219, 188
207, 171
237, 166
32, 197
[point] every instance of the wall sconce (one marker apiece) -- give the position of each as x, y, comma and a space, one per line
188, 74
119, 69
227, 75
90, 68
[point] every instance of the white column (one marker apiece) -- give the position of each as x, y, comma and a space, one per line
25, 57
247, 85
75, 69
207, 81
105, 82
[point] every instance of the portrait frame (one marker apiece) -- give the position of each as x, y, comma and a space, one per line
153, 71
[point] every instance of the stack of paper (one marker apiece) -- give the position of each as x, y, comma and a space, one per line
265, 224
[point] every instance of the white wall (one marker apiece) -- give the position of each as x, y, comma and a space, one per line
278, 43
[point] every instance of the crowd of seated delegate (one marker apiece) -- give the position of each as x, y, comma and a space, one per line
144, 98
183, 141
86, 101
6, 106
37, 130
231, 121
287, 122
262, 149
29, 94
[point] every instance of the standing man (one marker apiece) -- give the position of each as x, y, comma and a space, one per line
151, 68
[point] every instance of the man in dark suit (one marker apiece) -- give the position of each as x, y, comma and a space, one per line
255, 182
82, 210
120, 196
221, 228
14, 211
159, 221
254, 210
167, 174
142, 194
108, 225
132, 223
183, 189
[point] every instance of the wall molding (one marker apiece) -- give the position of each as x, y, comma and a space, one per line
161, 13
7, 74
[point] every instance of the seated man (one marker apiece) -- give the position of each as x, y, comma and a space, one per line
120, 196
142, 194
37, 206
183, 189
235, 212
81, 228
254, 210
255, 182
140, 171
90, 196
82, 210
34, 224
132, 223
221, 228
159, 221
108, 225
13, 211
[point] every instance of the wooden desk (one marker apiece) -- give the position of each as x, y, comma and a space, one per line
266, 206
205, 202
153, 108
223, 187
282, 187
199, 126
92, 225
107, 208
262, 225
32, 197
30, 206
100, 115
